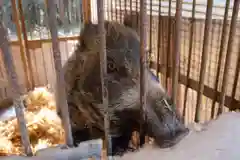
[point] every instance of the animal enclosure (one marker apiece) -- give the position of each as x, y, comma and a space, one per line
194, 43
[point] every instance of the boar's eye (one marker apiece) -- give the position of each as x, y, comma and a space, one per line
111, 65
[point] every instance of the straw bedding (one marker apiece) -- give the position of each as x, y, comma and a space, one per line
43, 124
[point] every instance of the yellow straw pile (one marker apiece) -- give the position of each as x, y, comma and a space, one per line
44, 126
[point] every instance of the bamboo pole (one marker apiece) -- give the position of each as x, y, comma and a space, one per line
229, 55
208, 27
103, 74
177, 49
60, 87
16, 91
222, 49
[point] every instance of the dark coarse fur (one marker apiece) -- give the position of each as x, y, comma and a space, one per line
82, 76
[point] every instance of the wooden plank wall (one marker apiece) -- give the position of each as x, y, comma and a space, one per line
44, 72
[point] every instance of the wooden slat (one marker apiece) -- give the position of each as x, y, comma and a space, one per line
203, 69
229, 55
207, 91
38, 42
13, 81
86, 10
103, 74
61, 96
177, 50
28, 55
222, 48
189, 55
21, 43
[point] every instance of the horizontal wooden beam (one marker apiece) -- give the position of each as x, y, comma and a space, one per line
209, 92
230, 102
36, 43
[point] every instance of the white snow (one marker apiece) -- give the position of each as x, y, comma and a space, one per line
217, 140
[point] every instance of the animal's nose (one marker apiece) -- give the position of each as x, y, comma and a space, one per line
180, 134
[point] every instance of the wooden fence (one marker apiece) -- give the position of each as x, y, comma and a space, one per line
43, 64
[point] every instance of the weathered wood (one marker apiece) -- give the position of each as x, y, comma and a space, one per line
84, 151
209, 92
61, 97
16, 91
24, 32
229, 55
205, 49
103, 72
87, 10
37, 43
177, 50
143, 60
222, 48
20, 39
189, 56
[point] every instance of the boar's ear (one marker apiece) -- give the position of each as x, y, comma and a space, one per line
88, 23
127, 21
132, 20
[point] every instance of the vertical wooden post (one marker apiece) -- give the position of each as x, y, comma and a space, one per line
232, 33
65, 6
86, 10
24, 31
208, 27
143, 59
189, 56
222, 48
103, 72
177, 49
13, 80
150, 27
169, 51
60, 87
22, 49
131, 8
125, 7
159, 40
236, 79
120, 8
